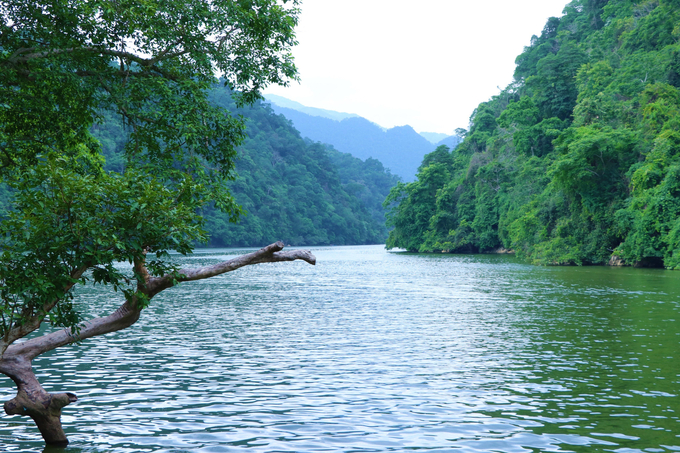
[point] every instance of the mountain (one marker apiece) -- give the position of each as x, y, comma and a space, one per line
287, 103
400, 149
577, 161
292, 189
452, 141
434, 137
299, 191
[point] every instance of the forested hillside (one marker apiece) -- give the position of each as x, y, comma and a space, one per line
297, 191
291, 189
577, 161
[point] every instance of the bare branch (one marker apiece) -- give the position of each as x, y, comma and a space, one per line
128, 313
120, 319
269, 254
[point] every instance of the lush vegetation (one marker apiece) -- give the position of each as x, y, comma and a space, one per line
577, 161
289, 189
63, 66
66, 67
297, 191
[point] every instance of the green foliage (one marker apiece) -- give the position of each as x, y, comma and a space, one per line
293, 190
155, 76
578, 159
70, 214
412, 205
553, 86
71, 68
368, 181
297, 191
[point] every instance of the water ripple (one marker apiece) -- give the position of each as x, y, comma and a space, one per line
372, 351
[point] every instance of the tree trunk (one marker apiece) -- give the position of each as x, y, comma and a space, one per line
33, 401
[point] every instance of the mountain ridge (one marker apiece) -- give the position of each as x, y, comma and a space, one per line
400, 149
576, 162
292, 189
313, 111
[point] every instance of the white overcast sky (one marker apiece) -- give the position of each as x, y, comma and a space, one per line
426, 63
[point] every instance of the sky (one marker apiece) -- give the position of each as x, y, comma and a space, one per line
425, 63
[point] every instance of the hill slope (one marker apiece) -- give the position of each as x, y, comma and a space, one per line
577, 161
434, 137
400, 149
294, 190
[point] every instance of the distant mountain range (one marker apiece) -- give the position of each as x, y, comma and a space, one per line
434, 137
313, 111
400, 149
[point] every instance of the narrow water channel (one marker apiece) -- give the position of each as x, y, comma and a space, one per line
372, 351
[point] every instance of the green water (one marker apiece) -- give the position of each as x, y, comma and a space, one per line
371, 351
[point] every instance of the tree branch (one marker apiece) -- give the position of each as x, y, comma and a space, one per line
33, 321
122, 318
20, 56
128, 313
17, 57
269, 254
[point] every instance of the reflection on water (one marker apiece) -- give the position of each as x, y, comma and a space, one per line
376, 351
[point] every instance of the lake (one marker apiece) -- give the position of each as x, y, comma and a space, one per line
376, 351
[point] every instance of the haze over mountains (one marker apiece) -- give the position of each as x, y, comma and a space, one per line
434, 137
287, 103
400, 149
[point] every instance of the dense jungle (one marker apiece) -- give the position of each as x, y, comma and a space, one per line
288, 187
575, 162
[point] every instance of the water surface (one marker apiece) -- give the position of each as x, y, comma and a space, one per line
372, 351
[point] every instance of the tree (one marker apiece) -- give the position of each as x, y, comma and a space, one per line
64, 66
577, 161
